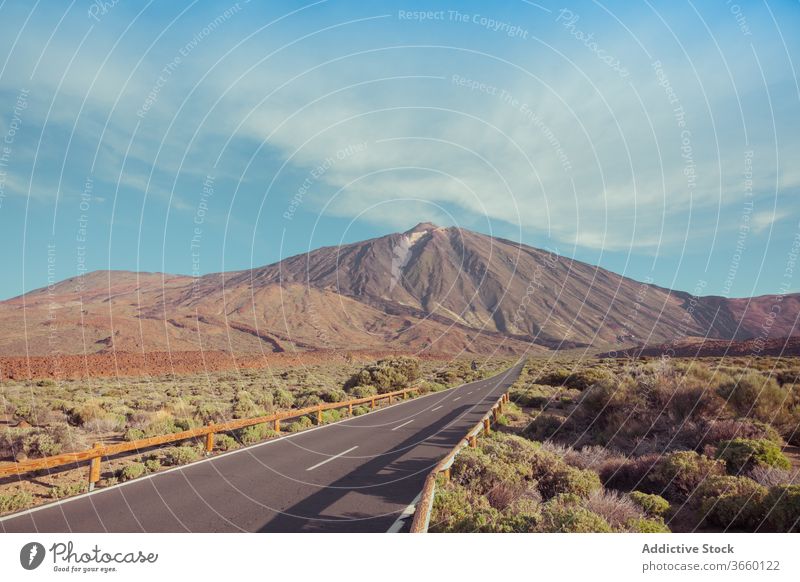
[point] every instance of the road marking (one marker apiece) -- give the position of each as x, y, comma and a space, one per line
329, 459
404, 424
457, 398
468, 393
407, 512
435, 409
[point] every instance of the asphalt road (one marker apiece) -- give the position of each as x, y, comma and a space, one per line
358, 475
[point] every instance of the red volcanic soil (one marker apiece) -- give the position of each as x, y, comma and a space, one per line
160, 363
698, 348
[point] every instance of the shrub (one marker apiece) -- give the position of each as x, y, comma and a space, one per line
40, 444
782, 508
521, 516
333, 395
152, 465
224, 442
15, 500
329, 416
615, 508
68, 490
359, 410
256, 433
752, 394
678, 474
560, 518
744, 428
301, 423
545, 426
743, 454
652, 505
282, 398
131, 471
180, 455
565, 479
244, 407
732, 502
456, 509
481, 472
647, 525
134, 434
386, 375
363, 391
534, 396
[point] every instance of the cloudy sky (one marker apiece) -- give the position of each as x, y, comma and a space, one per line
659, 141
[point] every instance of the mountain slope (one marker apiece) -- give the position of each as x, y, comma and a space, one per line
430, 288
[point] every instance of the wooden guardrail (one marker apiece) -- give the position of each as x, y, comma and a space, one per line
99, 450
422, 513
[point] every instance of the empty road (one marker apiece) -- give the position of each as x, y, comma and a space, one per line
358, 475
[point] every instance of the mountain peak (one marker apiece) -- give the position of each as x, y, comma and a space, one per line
422, 227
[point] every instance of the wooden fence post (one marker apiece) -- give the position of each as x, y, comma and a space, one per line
94, 468
473, 441
373, 403
390, 398
319, 417
210, 439
350, 409
446, 474
277, 425
486, 429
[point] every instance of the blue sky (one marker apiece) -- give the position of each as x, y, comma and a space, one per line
658, 140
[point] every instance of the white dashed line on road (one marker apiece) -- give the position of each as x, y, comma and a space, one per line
404, 424
435, 409
329, 459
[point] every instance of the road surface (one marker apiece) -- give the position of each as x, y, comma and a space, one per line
359, 475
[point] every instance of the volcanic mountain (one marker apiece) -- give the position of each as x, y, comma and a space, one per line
441, 290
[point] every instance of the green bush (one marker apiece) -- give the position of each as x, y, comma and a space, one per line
131, 471
224, 442
566, 479
329, 416
732, 502
560, 518
521, 516
134, 434
534, 396
68, 490
782, 508
457, 509
256, 433
15, 501
180, 455
546, 426
359, 410
752, 394
743, 454
152, 465
386, 375
647, 525
678, 474
301, 423
652, 505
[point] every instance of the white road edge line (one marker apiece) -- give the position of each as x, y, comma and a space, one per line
407, 512
404, 424
329, 459
437, 408
456, 398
